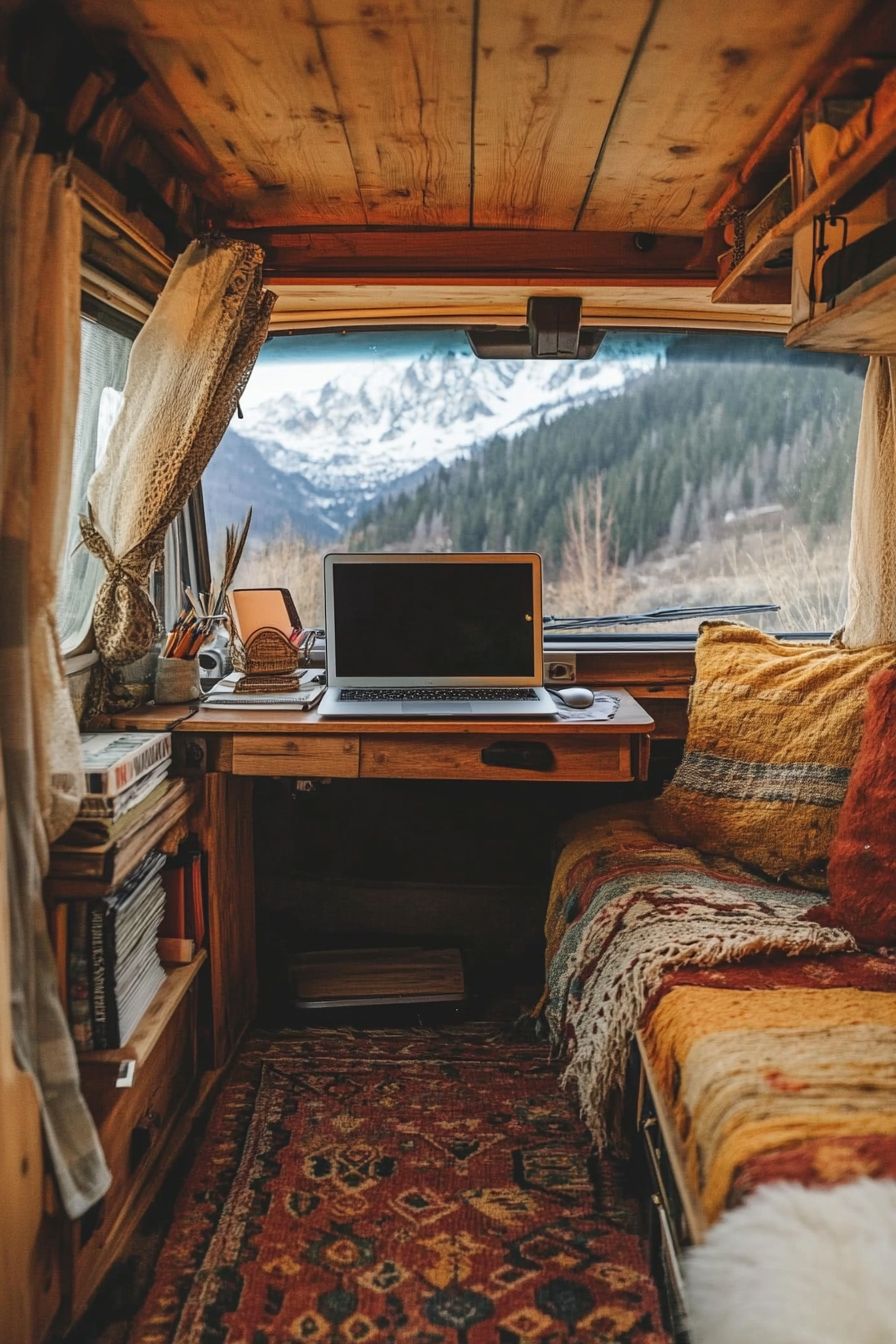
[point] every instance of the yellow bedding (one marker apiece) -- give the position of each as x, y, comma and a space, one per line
746, 1072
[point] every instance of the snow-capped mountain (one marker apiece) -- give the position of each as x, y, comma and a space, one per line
368, 429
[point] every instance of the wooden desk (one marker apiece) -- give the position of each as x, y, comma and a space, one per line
304, 745
229, 749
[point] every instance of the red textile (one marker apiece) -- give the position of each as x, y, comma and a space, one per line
833, 1161
862, 867
845, 970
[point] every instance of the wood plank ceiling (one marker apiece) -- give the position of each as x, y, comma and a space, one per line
590, 115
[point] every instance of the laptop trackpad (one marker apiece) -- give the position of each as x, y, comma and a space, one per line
441, 707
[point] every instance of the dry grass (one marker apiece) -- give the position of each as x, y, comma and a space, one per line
288, 561
774, 561
781, 563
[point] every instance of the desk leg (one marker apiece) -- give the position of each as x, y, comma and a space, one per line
225, 831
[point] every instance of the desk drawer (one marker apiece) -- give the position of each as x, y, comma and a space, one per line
326, 756
459, 756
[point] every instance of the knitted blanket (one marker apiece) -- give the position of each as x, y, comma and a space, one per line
749, 1073
625, 908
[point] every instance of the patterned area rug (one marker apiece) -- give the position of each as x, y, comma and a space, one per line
433, 1187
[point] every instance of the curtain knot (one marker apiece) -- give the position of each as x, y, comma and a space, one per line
125, 621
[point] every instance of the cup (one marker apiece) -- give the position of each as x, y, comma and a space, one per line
177, 681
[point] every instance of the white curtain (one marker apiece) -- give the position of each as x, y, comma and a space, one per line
104, 368
42, 775
871, 607
188, 367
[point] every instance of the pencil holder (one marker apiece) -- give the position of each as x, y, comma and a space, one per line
177, 681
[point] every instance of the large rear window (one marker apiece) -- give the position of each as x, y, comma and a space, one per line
669, 471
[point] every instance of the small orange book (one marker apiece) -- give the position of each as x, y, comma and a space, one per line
174, 922
195, 911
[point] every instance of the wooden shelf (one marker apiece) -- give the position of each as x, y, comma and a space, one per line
865, 325
159, 1013
742, 278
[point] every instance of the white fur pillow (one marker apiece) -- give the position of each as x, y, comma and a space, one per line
798, 1266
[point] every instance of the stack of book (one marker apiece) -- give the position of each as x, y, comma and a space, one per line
113, 970
127, 806
377, 977
105, 890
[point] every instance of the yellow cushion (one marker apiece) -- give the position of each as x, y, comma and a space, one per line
774, 730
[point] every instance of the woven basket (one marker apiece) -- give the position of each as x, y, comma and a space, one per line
268, 662
267, 652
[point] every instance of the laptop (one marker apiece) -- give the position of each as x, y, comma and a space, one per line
447, 636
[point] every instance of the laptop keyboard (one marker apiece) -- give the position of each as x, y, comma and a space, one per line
376, 694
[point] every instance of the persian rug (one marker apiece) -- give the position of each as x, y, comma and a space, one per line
388, 1186
748, 1074
626, 908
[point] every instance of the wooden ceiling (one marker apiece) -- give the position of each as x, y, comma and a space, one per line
589, 115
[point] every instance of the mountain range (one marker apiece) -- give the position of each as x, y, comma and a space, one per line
314, 460
686, 450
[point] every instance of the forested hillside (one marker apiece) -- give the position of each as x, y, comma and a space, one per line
677, 451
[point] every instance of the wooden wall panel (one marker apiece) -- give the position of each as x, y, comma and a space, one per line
710, 80
252, 82
547, 80
402, 75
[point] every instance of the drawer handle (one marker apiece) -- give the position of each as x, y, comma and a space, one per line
518, 755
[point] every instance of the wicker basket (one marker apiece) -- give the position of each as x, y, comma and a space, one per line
268, 662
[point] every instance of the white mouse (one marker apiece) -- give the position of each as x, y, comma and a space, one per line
576, 697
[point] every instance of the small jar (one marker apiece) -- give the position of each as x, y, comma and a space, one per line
177, 681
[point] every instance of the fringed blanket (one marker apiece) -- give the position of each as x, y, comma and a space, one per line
625, 908
749, 1074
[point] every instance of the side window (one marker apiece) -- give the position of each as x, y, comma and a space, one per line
104, 366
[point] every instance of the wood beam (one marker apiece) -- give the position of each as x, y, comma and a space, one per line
459, 256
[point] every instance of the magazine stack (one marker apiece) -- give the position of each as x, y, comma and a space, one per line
105, 890
114, 970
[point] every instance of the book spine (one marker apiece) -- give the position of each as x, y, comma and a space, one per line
124, 772
174, 921
98, 978
79, 1015
110, 965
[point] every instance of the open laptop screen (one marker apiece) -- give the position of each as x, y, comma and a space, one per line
435, 619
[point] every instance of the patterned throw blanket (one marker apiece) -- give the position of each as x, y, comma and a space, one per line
625, 908
751, 1075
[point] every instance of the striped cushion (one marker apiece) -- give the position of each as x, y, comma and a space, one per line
774, 730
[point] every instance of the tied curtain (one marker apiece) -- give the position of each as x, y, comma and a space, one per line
40, 755
871, 606
188, 368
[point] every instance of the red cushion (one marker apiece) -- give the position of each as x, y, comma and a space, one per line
862, 867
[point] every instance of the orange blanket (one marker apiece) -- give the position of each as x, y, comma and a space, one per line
748, 1073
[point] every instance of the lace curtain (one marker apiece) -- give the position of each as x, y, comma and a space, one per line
188, 367
104, 368
42, 772
871, 607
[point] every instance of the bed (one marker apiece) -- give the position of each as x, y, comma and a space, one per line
765, 1065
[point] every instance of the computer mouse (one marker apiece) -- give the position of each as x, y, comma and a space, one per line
576, 697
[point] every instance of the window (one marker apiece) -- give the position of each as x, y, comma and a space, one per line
670, 470
104, 364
